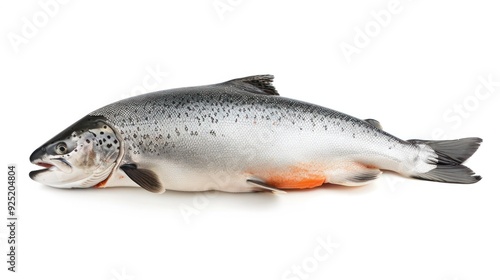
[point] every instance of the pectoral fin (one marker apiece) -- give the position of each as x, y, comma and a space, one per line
264, 186
145, 178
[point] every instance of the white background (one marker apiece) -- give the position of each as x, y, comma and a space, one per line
413, 75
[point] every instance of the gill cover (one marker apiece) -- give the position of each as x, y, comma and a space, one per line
81, 156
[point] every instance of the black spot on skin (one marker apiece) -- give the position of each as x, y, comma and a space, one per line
102, 132
135, 135
87, 140
109, 137
109, 145
116, 141
100, 142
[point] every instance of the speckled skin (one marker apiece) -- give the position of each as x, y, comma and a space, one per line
218, 136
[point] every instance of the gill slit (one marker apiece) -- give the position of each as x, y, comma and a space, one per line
121, 154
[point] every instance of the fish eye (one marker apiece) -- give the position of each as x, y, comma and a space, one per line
61, 148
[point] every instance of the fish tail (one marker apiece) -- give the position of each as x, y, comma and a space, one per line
447, 157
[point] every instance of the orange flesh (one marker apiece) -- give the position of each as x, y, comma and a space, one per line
298, 177
296, 183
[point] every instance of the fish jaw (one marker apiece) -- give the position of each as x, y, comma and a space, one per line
53, 177
50, 175
55, 171
52, 166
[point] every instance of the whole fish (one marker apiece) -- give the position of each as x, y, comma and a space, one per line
236, 136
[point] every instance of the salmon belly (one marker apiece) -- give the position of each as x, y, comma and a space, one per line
312, 175
296, 177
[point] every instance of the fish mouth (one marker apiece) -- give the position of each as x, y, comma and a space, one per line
44, 164
35, 158
55, 164
47, 167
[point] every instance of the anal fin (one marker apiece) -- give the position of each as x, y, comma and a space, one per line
364, 177
264, 186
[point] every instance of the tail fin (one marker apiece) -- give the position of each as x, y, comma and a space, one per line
450, 156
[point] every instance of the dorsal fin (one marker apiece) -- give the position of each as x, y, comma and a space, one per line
260, 84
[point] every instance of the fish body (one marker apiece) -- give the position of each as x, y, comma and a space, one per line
237, 136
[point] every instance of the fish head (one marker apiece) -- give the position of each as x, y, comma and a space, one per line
81, 156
